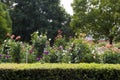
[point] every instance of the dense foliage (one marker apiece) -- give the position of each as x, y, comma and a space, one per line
98, 18
76, 50
5, 22
29, 16
59, 72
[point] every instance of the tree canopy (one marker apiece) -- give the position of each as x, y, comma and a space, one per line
37, 15
98, 18
5, 22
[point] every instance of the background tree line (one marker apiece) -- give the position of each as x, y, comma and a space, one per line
5, 22
98, 18
44, 16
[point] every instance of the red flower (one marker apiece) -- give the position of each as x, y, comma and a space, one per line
31, 51
18, 37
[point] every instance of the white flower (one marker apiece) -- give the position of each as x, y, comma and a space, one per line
63, 54
65, 51
49, 39
40, 36
69, 62
5, 40
37, 32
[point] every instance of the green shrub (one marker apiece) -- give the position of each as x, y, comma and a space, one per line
39, 42
88, 58
75, 51
60, 42
117, 45
11, 49
16, 53
111, 57
59, 72
5, 22
78, 50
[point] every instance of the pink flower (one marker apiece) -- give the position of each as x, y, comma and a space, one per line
60, 47
18, 37
12, 37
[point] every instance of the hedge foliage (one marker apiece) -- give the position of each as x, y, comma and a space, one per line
59, 71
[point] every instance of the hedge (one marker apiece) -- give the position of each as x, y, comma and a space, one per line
61, 71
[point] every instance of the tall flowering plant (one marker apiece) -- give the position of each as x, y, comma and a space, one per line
59, 39
39, 43
11, 49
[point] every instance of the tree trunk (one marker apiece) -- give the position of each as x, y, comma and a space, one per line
111, 40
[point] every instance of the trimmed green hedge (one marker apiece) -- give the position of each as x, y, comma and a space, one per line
59, 71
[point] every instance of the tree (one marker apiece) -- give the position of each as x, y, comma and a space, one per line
99, 18
38, 15
5, 22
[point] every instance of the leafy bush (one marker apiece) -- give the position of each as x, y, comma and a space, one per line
16, 53
89, 58
39, 42
59, 72
5, 22
78, 50
60, 42
75, 51
117, 45
11, 49
52, 57
111, 57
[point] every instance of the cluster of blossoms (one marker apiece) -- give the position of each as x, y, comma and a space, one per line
38, 57
13, 36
